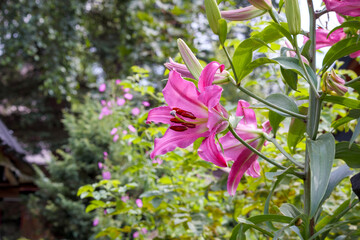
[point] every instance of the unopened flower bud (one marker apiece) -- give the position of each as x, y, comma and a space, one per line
261, 4
189, 59
242, 14
333, 84
292, 12
213, 15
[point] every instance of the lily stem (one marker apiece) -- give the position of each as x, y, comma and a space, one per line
282, 150
352, 81
254, 150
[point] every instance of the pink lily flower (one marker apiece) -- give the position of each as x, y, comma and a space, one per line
244, 159
344, 7
191, 113
323, 41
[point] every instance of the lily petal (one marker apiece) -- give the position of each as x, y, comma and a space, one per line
173, 139
210, 152
249, 114
254, 170
207, 75
240, 166
183, 94
160, 115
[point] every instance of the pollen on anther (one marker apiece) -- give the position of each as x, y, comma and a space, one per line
178, 128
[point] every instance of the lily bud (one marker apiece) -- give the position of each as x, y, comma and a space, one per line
333, 84
261, 4
292, 12
213, 15
189, 59
242, 14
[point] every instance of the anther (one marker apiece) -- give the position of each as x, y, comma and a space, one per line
178, 128
189, 125
176, 120
184, 113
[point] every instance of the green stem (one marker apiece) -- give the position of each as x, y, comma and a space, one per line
254, 150
308, 78
282, 150
352, 81
247, 92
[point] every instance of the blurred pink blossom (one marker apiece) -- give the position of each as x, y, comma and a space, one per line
136, 234
144, 230
126, 90
105, 211
135, 111
100, 165
146, 103
139, 203
128, 96
104, 112
125, 198
109, 103
102, 87
131, 128
124, 132
115, 138
157, 161
113, 131
120, 101
96, 222
117, 81
105, 154
103, 102
106, 175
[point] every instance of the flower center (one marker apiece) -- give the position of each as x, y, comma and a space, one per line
184, 123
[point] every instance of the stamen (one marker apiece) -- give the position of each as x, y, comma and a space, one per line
176, 120
184, 113
178, 128
189, 125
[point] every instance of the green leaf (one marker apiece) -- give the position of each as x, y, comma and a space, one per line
222, 30
322, 153
283, 29
269, 218
290, 77
347, 102
294, 64
336, 177
275, 120
305, 50
289, 210
296, 132
339, 50
350, 155
355, 133
254, 64
347, 24
283, 101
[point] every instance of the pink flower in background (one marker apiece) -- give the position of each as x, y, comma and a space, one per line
120, 101
136, 234
103, 102
126, 90
96, 222
146, 104
191, 113
125, 132
105, 154
131, 128
125, 198
144, 230
157, 161
100, 165
128, 96
109, 103
344, 7
117, 81
244, 159
323, 41
113, 131
105, 211
106, 175
135, 111
139, 203
105, 111
115, 138
102, 87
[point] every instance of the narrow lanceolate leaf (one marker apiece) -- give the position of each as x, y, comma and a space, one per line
347, 102
283, 101
355, 133
350, 155
339, 50
353, 114
322, 154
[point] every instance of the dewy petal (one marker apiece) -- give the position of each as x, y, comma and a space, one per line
240, 166
254, 169
249, 114
207, 75
209, 151
183, 94
160, 115
173, 139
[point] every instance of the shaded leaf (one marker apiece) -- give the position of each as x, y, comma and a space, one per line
350, 155
283, 101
